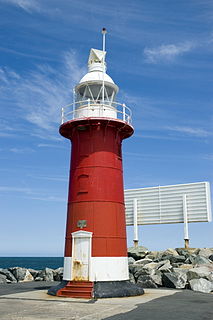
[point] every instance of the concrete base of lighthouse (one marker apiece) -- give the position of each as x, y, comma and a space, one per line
96, 290
110, 289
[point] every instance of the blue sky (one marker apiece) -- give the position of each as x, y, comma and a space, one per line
159, 53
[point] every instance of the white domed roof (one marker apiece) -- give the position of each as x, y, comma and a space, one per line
96, 76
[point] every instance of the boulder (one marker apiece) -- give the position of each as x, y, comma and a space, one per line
180, 270
170, 251
151, 267
137, 252
8, 275
28, 276
132, 268
201, 260
187, 251
146, 281
162, 265
157, 278
34, 272
209, 266
177, 259
175, 280
58, 274
131, 260
131, 278
21, 274
190, 259
39, 279
142, 262
210, 277
3, 278
166, 267
185, 266
199, 272
46, 274
205, 252
211, 257
154, 255
141, 271
201, 285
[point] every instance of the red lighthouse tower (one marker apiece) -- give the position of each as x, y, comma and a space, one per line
95, 261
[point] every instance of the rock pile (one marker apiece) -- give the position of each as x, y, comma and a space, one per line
174, 268
18, 274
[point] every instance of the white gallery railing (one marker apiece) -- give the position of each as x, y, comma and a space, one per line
102, 109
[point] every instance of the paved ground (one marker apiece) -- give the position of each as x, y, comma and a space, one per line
26, 286
29, 301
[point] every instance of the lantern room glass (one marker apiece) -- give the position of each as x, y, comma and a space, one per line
94, 93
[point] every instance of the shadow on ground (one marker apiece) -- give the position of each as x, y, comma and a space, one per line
12, 288
185, 305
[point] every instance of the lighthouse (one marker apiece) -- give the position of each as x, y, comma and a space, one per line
95, 258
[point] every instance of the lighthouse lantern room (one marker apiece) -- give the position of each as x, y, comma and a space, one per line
95, 259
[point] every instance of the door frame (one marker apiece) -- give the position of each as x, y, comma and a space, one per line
79, 235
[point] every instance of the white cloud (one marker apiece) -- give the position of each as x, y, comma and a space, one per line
27, 193
48, 145
208, 157
21, 150
167, 53
5, 129
24, 54
6, 73
42, 177
14, 189
41, 93
3, 78
197, 132
47, 135
27, 5
156, 137
48, 198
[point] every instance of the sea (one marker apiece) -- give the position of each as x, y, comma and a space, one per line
37, 263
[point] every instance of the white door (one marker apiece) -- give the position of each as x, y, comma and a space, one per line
81, 253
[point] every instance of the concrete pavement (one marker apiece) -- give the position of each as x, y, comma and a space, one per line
29, 301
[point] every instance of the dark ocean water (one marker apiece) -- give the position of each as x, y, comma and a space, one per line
36, 263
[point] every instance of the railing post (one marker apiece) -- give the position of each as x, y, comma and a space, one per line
73, 101
124, 116
62, 115
73, 110
88, 106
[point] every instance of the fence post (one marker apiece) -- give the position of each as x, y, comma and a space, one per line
124, 115
135, 223
185, 218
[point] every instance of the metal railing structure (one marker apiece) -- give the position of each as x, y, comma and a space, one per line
91, 108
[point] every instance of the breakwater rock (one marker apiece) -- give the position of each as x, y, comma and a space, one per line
173, 268
18, 274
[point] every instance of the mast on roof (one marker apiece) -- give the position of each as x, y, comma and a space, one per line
104, 32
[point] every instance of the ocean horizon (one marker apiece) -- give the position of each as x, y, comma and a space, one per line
37, 263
